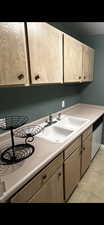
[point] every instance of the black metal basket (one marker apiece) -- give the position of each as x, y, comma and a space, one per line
15, 153
9, 122
28, 132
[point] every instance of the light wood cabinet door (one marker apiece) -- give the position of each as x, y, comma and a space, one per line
45, 50
13, 57
72, 172
86, 154
72, 59
51, 191
88, 63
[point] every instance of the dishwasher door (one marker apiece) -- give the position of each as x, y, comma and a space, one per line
96, 139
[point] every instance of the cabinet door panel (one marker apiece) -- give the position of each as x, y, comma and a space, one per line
88, 63
51, 191
72, 172
72, 59
13, 58
45, 49
86, 154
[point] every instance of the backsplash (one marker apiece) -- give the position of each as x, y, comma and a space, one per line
37, 101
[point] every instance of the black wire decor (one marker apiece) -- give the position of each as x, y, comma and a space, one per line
16, 153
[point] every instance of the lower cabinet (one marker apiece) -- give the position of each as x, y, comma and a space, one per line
45, 187
86, 154
52, 191
72, 172
56, 182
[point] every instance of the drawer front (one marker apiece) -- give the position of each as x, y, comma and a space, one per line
75, 144
86, 133
36, 183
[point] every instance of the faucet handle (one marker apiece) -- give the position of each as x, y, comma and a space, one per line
59, 116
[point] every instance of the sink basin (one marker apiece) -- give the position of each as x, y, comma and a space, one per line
62, 129
71, 122
55, 134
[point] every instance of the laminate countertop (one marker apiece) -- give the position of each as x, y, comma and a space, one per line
13, 177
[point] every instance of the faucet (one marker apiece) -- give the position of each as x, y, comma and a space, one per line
50, 121
59, 116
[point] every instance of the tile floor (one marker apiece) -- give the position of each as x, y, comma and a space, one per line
91, 187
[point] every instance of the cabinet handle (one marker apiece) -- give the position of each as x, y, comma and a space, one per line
59, 175
37, 77
44, 176
20, 76
84, 149
79, 77
84, 77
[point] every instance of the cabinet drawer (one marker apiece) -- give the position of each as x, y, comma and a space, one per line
36, 183
72, 147
86, 133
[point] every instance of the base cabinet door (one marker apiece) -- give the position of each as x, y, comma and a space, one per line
72, 172
51, 191
86, 154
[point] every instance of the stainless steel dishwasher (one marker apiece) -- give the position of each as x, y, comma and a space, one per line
97, 136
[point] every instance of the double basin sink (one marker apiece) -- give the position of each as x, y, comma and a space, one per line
63, 129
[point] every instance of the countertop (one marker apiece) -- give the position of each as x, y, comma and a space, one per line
15, 176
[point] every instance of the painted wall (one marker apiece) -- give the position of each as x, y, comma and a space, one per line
37, 101
93, 93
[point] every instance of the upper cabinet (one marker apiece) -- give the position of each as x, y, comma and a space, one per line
45, 51
72, 59
13, 56
88, 63
38, 53
78, 61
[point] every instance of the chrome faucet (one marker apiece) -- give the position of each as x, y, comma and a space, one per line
59, 116
50, 120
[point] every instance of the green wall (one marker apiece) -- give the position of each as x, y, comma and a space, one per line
37, 101
93, 93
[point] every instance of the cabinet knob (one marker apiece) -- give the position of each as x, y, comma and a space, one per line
59, 174
83, 148
84, 77
37, 77
44, 176
20, 76
79, 77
